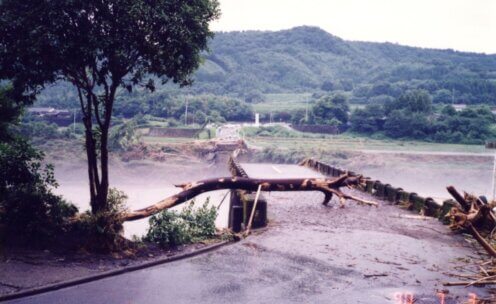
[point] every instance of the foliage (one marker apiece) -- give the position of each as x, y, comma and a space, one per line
276, 155
331, 110
270, 131
9, 114
29, 212
304, 59
124, 136
101, 47
411, 116
171, 228
254, 96
41, 129
308, 59
200, 108
402, 124
368, 120
416, 101
100, 232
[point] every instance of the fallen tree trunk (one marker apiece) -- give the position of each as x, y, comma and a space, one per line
329, 187
457, 196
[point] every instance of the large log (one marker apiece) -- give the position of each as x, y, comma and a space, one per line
329, 187
459, 198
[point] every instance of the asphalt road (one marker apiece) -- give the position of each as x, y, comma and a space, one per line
310, 254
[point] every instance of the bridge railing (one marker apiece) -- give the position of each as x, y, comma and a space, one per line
396, 195
241, 201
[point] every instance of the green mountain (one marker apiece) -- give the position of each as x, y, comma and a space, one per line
308, 59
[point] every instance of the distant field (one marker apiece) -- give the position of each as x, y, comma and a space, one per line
288, 97
282, 102
357, 143
288, 102
166, 140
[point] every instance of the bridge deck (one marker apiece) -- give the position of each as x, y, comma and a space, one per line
278, 171
310, 254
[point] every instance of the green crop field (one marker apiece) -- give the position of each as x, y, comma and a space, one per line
289, 102
347, 142
283, 102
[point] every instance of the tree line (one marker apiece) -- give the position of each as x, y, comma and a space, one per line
412, 116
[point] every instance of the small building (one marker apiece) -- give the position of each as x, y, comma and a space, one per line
61, 117
459, 106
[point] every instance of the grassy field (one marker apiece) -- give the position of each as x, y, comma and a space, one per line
288, 103
283, 102
347, 142
166, 140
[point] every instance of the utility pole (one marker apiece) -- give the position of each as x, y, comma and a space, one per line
453, 95
306, 111
186, 112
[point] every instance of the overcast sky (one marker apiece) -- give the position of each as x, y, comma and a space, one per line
467, 25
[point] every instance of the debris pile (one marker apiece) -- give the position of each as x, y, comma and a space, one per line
475, 215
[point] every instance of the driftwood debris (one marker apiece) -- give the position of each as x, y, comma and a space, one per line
473, 214
329, 187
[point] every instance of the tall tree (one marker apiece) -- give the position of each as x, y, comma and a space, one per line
101, 47
331, 109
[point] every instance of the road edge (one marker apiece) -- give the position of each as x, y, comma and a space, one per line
110, 273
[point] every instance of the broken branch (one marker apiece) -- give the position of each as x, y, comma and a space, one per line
190, 190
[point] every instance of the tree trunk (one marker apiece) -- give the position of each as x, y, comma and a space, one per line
102, 203
97, 173
329, 187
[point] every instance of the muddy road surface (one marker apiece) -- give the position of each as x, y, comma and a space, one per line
310, 253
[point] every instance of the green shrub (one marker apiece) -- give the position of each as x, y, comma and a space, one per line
171, 228
30, 213
101, 232
270, 131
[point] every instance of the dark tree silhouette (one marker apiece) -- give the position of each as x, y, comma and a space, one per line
101, 47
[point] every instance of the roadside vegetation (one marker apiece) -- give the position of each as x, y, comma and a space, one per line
29, 211
98, 51
190, 225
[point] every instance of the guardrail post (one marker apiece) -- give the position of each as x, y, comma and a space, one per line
379, 189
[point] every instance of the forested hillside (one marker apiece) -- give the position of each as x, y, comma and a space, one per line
308, 59
249, 64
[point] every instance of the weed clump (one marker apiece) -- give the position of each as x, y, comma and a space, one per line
171, 228
102, 232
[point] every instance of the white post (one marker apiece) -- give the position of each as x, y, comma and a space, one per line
74, 123
257, 119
